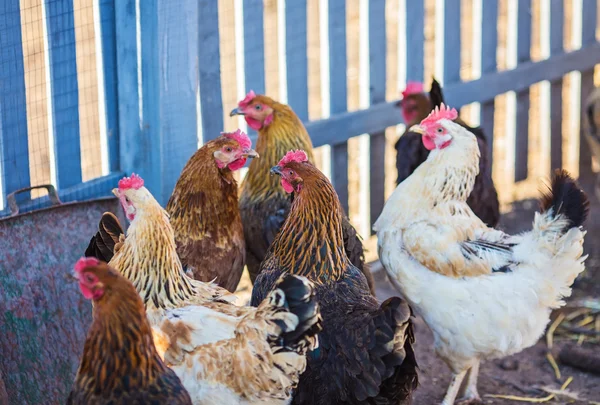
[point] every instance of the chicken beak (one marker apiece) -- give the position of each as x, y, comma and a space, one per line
399, 104
276, 170
251, 153
236, 111
115, 191
418, 129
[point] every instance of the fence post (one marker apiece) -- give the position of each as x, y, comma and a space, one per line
65, 93
377, 79
178, 33
489, 64
338, 92
522, 108
109, 63
588, 37
209, 67
415, 40
556, 112
14, 150
296, 57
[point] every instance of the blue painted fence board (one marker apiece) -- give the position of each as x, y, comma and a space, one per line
14, 152
178, 83
254, 48
128, 97
415, 40
254, 45
296, 57
377, 80
451, 41
209, 67
109, 62
65, 95
338, 92
522, 109
489, 45
588, 36
556, 47
150, 138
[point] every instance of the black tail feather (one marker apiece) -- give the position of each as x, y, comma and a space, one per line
436, 96
565, 197
102, 244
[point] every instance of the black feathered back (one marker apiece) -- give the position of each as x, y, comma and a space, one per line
565, 197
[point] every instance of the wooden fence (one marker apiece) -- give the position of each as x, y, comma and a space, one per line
162, 73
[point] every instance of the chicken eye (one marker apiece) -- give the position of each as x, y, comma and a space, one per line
257, 107
127, 200
89, 278
440, 130
228, 149
291, 172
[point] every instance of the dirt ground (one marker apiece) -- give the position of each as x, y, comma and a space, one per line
532, 368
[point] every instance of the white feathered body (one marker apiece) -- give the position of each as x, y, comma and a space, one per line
484, 294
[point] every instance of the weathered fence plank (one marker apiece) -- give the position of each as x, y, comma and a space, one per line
452, 46
556, 86
296, 57
178, 84
522, 111
150, 166
377, 79
209, 66
415, 40
489, 45
338, 93
254, 48
109, 64
588, 36
14, 148
127, 76
65, 94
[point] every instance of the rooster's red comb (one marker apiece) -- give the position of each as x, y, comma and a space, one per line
412, 88
441, 112
85, 262
240, 137
298, 156
135, 182
247, 100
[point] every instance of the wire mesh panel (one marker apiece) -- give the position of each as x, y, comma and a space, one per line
54, 110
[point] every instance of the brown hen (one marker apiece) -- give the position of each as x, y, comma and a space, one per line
264, 205
204, 214
120, 364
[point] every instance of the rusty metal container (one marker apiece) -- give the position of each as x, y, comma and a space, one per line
43, 316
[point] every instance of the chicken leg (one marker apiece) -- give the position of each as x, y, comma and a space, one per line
469, 394
453, 388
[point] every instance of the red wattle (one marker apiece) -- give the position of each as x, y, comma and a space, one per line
237, 164
428, 142
252, 123
287, 186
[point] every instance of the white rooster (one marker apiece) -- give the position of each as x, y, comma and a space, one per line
483, 293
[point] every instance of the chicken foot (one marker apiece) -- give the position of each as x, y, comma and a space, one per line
469, 394
453, 388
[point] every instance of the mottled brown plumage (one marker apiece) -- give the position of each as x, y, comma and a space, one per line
365, 354
204, 214
120, 364
264, 205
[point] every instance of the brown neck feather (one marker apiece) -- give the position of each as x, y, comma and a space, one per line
205, 199
317, 252
285, 133
119, 342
